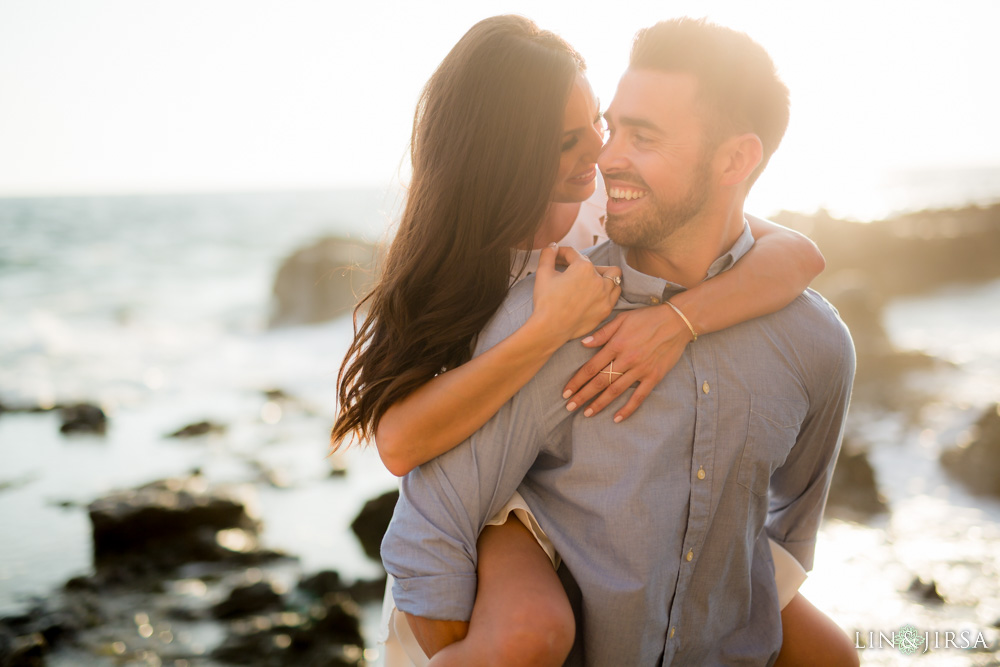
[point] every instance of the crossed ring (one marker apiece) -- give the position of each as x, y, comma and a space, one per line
612, 372
617, 280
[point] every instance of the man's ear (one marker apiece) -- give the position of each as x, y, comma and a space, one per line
739, 156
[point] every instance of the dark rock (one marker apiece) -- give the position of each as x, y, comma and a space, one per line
247, 599
276, 395
854, 491
22, 651
7, 638
926, 592
167, 523
328, 635
367, 590
339, 622
53, 621
976, 463
879, 363
322, 281
373, 520
83, 418
197, 429
907, 254
82, 583
328, 582
322, 583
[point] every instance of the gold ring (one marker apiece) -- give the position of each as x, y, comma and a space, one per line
617, 280
612, 372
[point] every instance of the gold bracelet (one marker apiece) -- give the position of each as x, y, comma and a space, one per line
694, 334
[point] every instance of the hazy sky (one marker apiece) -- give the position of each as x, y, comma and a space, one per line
109, 96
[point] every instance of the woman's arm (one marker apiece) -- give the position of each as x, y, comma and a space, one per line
453, 405
647, 342
778, 267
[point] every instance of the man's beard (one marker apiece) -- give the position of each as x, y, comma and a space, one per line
658, 221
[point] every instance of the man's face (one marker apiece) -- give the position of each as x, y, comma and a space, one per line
657, 163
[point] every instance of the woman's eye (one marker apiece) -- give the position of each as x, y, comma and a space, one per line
640, 138
569, 143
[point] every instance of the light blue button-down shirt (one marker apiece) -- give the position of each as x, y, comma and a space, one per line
662, 520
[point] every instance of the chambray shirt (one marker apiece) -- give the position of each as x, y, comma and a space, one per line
662, 520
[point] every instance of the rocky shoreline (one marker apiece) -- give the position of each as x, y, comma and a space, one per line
176, 555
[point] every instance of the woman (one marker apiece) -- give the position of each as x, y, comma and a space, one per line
505, 140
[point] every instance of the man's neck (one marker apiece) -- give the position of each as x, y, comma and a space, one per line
686, 255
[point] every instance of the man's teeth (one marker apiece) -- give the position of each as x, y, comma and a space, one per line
623, 193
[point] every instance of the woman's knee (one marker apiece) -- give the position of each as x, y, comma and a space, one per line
539, 631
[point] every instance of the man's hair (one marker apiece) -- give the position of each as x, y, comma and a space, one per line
737, 81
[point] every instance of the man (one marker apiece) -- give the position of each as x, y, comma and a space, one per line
662, 521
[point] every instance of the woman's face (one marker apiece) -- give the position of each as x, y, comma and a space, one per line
583, 136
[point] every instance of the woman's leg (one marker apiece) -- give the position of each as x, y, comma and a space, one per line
812, 638
521, 615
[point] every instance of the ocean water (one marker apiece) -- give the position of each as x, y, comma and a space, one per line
156, 308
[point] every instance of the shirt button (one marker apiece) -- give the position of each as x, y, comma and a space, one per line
653, 300
704, 387
690, 556
672, 632
701, 473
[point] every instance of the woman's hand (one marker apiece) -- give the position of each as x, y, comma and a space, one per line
572, 303
641, 346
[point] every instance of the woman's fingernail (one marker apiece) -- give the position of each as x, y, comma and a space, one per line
588, 340
618, 419
567, 393
571, 406
588, 412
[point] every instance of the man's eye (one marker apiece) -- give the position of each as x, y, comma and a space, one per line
569, 143
640, 138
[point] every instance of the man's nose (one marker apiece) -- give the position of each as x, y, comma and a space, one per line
612, 158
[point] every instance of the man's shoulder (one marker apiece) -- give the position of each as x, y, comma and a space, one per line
810, 312
812, 326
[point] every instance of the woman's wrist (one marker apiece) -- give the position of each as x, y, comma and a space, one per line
689, 305
543, 334
687, 322
676, 327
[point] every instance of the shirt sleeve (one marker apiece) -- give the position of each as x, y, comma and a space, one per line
799, 487
430, 546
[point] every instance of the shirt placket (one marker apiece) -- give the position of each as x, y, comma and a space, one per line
701, 482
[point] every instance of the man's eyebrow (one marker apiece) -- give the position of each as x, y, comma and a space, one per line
642, 123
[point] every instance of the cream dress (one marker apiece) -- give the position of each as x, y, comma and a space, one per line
399, 647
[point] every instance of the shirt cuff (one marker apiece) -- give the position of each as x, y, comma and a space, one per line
440, 597
803, 551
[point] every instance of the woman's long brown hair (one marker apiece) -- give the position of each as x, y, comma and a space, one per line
485, 152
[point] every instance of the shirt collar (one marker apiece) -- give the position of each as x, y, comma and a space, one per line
639, 288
